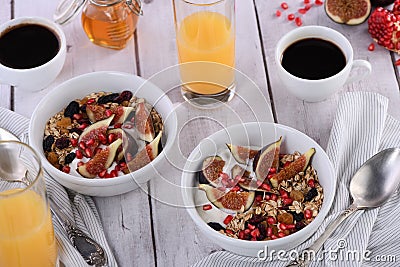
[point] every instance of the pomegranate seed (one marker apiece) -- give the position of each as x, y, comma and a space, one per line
82, 145
266, 187
117, 125
253, 239
272, 170
286, 164
241, 235
228, 231
281, 234
269, 231
306, 1
273, 237
284, 5
271, 220
397, 63
307, 7
298, 21
88, 153
259, 198
102, 138
117, 168
80, 163
108, 113
255, 233
74, 142
235, 189
107, 175
270, 176
259, 183
278, 13
308, 214
91, 101
283, 193
290, 226
241, 179
228, 219
224, 176
250, 226
311, 183
282, 226
287, 201
66, 169
78, 154
78, 116
371, 47
207, 207
290, 17
97, 150
114, 173
102, 174
122, 165
302, 11
247, 231
83, 126
319, 2
90, 142
274, 197
111, 137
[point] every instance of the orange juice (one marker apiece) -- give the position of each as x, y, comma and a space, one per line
206, 36
26, 231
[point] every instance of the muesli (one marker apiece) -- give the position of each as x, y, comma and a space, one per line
86, 137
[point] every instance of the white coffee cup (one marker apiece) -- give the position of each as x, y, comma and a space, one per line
318, 90
36, 78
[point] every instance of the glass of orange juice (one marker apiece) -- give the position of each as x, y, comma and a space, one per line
26, 230
205, 37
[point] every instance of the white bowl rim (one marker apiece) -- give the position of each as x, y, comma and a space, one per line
120, 179
256, 244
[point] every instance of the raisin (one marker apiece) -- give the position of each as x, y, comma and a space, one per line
297, 216
299, 226
71, 109
256, 219
285, 218
83, 108
62, 142
107, 98
76, 130
311, 194
69, 158
215, 226
124, 96
47, 143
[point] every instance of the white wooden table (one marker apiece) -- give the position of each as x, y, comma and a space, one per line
141, 229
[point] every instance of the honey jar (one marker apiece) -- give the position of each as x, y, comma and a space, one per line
107, 23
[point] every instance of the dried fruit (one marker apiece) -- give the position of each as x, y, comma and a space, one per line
62, 142
350, 12
144, 122
124, 96
241, 153
381, 2
311, 194
212, 168
267, 158
216, 226
47, 143
293, 168
107, 98
69, 158
96, 112
71, 109
230, 202
297, 216
383, 26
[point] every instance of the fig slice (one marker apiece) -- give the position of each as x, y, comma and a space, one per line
101, 161
211, 169
92, 132
96, 112
121, 114
144, 122
255, 185
230, 202
266, 158
238, 170
241, 153
118, 132
299, 165
350, 12
146, 155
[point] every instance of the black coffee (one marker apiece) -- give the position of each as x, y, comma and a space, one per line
27, 46
313, 59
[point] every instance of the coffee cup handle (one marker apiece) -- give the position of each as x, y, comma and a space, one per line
360, 63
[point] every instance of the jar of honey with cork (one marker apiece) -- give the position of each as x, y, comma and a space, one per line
107, 23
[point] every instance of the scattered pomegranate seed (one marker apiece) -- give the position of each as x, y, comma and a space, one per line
274, 197
228, 219
302, 11
91, 101
319, 2
283, 193
224, 176
259, 198
107, 175
271, 220
284, 5
286, 164
259, 183
122, 165
102, 174
272, 170
308, 214
266, 187
241, 235
80, 163
88, 153
117, 125
90, 142
282, 226
108, 113
66, 169
298, 21
278, 13
114, 173
306, 1
74, 142
253, 239
281, 234
287, 201
267, 197
228, 231
270, 176
273, 237
290, 17
290, 226
83, 126
78, 116
97, 150
311, 183
111, 137
250, 226
255, 233
269, 231
117, 168
82, 145
371, 47
307, 7
78, 154
397, 63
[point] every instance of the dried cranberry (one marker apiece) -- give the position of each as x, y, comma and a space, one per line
297, 216
215, 226
47, 143
124, 96
299, 226
256, 219
311, 194
71, 109
69, 158
62, 142
107, 98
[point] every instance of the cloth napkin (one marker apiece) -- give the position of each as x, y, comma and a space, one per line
79, 208
361, 128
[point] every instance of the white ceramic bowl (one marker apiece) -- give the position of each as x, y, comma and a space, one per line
257, 134
81, 86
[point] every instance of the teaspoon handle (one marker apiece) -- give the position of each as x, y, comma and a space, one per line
311, 251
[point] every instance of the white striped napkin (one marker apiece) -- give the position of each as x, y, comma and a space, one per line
79, 208
361, 128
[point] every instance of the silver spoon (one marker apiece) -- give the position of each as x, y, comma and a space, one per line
371, 186
90, 250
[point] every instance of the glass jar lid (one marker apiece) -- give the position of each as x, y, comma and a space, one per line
68, 9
